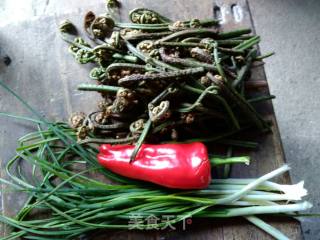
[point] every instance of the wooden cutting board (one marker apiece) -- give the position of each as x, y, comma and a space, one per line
44, 74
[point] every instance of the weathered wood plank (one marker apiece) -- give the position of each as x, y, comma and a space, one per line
44, 73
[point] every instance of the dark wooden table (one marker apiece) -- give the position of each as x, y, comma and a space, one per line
43, 73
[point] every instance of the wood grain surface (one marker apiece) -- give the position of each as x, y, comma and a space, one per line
44, 74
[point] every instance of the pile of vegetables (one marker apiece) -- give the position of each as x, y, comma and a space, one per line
163, 82
74, 204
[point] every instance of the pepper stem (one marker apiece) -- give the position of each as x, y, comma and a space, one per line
215, 161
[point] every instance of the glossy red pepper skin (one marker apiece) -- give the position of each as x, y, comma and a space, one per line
180, 166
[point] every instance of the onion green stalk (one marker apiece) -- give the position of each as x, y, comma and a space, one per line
267, 228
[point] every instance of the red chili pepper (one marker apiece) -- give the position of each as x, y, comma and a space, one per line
181, 166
